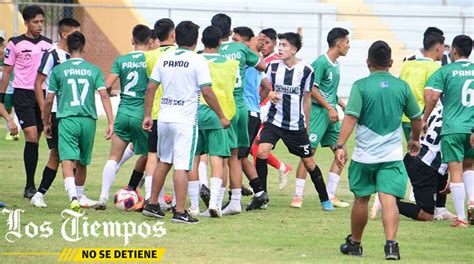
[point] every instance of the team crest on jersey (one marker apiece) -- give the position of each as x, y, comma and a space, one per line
384, 84
313, 137
136, 56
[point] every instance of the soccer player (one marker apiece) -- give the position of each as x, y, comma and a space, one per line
53, 57
75, 82
428, 175
324, 119
455, 82
268, 40
238, 133
420, 53
130, 69
154, 41
376, 105
416, 72
292, 81
165, 31
184, 75
23, 55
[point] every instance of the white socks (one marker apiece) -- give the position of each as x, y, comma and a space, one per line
468, 178
333, 180
108, 177
216, 184
127, 154
193, 192
299, 187
202, 170
70, 186
79, 191
147, 184
236, 195
220, 197
458, 195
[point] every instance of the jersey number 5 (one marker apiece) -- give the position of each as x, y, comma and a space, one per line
468, 94
85, 88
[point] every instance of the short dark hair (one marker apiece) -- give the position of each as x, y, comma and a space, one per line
141, 34
380, 54
1, 39
31, 12
270, 33
153, 34
223, 22
335, 34
431, 30
293, 38
67, 22
430, 40
76, 42
463, 45
211, 37
187, 33
163, 28
244, 32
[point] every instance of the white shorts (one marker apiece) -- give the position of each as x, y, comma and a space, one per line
177, 144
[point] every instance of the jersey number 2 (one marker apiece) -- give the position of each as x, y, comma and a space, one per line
133, 78
85, 88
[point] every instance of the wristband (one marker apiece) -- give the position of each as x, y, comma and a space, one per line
2, 98
338, 146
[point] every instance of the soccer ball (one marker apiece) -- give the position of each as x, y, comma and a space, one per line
125, 199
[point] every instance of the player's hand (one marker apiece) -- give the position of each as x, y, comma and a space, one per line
341, 157
274, 97
13, 127
333, 115
413, 147
446, 190
225, 122
109, 131
147, 124
47, 131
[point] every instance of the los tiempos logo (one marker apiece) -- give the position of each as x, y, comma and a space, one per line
76, 227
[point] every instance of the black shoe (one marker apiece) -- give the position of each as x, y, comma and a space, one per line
351, 248
29, 192
184, 218
392, 251
153, 210
257, 202
246, 191
205, 194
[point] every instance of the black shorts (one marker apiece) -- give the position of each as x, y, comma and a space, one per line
53, 141
297, 141
27, 109
253, 127
153, 138
424, 180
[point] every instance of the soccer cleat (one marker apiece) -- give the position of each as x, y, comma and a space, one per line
101, 204
297, 202
470, 213
206, 213
350, 248
38, 201
392, 251
232, 208
86, 202
257, 202
2, 204
246, 191
74, 205
459, 223
205, 194
9, 137
283, 176
153, 210
327, 206
214, 211
193, 212
338, 203
184, 218
29, 192
443, 214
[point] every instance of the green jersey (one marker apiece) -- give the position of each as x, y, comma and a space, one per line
131, 69
246, 57
456, 82
326, 78
379, 101
75, 82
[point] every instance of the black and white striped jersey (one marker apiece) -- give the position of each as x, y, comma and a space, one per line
291, 84
430, 151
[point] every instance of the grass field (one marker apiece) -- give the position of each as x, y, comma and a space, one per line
278, 234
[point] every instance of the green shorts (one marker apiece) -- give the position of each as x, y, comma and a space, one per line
76, 139
406, 130
238, 131
456, 147
214, 142
129, 129
321, 130
387, 177
8, 102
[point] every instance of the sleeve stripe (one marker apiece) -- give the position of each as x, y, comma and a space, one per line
415, 116
101, 88
155, 81
204, 85
352, 114
433, 88
259, 59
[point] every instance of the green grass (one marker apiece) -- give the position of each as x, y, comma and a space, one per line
278, 234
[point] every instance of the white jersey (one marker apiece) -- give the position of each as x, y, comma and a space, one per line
182, 74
